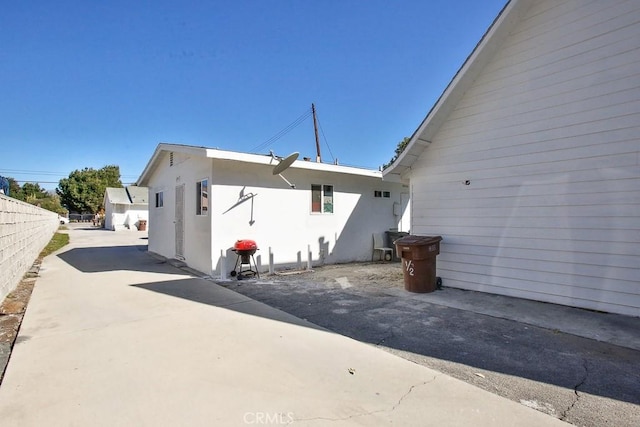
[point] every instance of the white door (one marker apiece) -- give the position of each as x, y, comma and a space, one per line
179, 221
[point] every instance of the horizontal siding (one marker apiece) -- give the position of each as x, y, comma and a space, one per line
626, 224
565, 284
575, 53
466, 247
580, 103
577, 297
560, 244
548, 138
588, 274
524, 173
580, 239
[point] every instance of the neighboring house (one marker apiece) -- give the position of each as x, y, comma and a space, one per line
203, 200
529, 163
124, 208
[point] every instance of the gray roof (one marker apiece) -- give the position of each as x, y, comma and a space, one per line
138, 194
127, 195
117, 196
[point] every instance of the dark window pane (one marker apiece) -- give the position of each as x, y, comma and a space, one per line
316, 198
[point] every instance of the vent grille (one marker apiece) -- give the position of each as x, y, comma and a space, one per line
171, 158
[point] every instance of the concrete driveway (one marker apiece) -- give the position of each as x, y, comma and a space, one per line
576, 365
115, 337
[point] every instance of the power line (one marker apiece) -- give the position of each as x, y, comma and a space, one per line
34, 172
27, 172
11, 173
283, 132
325, 139
35, 181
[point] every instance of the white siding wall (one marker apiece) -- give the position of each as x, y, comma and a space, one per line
24, 231
280, 217
186, 170
549, 138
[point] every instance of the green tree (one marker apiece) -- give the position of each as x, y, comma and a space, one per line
32, 192
15, 190
83, 191
52, 203
399, 149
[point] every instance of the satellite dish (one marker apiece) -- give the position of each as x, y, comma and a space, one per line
285, 163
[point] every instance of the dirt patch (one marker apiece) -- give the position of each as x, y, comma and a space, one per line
386, 274
12, 311
16, 301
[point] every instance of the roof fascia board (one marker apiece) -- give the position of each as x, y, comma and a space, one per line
298, 164
216, 154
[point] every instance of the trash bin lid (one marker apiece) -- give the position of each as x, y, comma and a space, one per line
418, 240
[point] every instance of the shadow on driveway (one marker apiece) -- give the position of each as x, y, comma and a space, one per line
111, 258
205, 292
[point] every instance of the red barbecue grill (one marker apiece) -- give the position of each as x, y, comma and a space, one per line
245, 250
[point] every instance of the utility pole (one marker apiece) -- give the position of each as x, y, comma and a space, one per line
315, 128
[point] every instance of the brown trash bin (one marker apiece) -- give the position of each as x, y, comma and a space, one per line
418, 255
142, 225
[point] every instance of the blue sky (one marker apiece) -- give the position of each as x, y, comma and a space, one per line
89, 83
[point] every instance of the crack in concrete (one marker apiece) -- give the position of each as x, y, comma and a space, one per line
565, 413
364, 414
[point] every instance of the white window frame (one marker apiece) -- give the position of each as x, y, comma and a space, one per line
327, 199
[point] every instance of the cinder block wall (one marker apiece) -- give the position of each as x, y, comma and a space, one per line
24, 231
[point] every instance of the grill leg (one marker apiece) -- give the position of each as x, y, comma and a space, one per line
256, 265
235, 267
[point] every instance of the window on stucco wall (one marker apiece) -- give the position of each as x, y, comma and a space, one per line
321, 198
202, 197
159, 199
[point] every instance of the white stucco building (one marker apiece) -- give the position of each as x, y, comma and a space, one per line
125, 207
529, 163
203, 200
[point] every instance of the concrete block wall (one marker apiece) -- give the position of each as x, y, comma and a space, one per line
24, 231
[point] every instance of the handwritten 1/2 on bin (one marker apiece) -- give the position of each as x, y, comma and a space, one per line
418, 255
